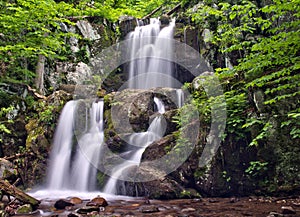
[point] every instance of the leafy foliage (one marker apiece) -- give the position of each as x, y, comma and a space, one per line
263, 38
4, 120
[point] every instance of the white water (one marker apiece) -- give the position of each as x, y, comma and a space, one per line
180, 97
72, 170
141, 140
150, 52
76, 172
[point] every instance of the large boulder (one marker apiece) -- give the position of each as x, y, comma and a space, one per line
8, 171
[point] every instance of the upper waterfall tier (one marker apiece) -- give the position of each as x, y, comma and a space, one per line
151, 51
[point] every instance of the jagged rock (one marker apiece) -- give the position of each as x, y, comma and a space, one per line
149, 209
82, 72
7, 171
88, 209
62, 204
97, 201
159, 148
131, 110
287, 210
27, 208
126, 25
87, 30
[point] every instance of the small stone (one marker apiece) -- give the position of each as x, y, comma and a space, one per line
197, 200
88, 209
149, 209
287, 210
212, 200
76, 200
62, 204
24, 209
233, 200
190, 209
296, 204
274, 214
97, 201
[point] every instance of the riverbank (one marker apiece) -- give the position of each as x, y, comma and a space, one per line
202, 207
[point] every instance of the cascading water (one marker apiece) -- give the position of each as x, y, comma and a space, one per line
149, 41
141, 140
76, 172
75, 155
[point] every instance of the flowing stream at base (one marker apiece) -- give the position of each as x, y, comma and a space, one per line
76, 150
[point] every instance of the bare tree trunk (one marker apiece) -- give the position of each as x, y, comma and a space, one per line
40, 71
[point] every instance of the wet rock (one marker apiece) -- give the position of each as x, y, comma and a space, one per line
130, 110
296, 204
233, 200
287, 210
212, 200
75, 200
190, 209
62, 204
159, 148
97, 201
24, 209
127, 24
274, 214
88, 209
149, 209
165, 20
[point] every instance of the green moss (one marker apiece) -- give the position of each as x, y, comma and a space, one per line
101, 178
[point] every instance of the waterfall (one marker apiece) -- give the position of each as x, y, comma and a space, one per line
141, 141
77, 150
180, 97
62, 148
150, 54
75, 170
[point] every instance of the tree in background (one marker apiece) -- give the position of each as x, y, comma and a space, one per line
262, 39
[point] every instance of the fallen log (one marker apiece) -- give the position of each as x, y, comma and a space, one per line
151, 13
177, 7
8, 189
